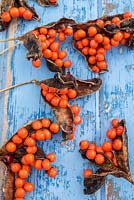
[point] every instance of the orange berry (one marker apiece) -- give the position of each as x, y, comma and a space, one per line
91, 154
52, 90
19, 182
101, 51
59, 62
36, 125
55, 46
118, 36
63, 91
16, 139
100, 57
117, 144
6, 17
36, 63
52, 33
23, 161
49, 96
93, 44
92, 31
85, 51
54, 127
47, 134
92, 60
26, 167
40, 135
29, 142
99, 38
107, 23
54, 56
20, 192
116, 20
114, 42
46, 164
28, 187
21, 11
51, 157
84, 144
27, 15
106, 40
99, 159
68, 31
99, 149
67, 63
29, 158
22, 133
126, 35
100, 22
36, 33
23, 173
14, 12
79, 45
75, 109
43, 30
38, 164
95, 69
87, 173
61, 37
47, 53
63, 103
55, 101
85, 42
79, 34
62, 54
10, 147
107, 146
111, 133
15, 167
92, 51
92, 146
109, 154
120, 130
102, 65
127, 15
46, 122
107, 47
72, 93
52, 172
77, 119
64, 96
115, 122
42, 38
32, 150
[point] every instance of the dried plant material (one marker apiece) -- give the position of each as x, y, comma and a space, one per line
117, 165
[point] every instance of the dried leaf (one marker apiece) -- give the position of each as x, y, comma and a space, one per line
33, 45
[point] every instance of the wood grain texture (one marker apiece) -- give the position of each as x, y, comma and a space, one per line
115, 99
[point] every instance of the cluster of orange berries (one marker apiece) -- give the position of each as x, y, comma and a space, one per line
96, 153
93, 43
42, 130
50, 39
60, 97
15, 13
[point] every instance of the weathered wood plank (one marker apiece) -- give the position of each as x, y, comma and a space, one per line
115, 99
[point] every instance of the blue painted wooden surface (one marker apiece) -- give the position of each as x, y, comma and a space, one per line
115, 99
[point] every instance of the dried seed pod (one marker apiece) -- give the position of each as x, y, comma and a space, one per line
8, 4
122, 169
64, 116
15, 152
